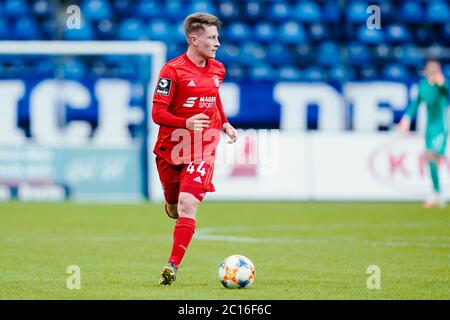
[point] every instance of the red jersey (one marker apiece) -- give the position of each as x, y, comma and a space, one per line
184, 90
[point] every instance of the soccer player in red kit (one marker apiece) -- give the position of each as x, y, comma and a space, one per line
188, 109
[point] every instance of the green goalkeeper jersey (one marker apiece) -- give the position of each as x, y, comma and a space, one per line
435, 98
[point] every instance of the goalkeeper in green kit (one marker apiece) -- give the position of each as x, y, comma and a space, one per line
433, 92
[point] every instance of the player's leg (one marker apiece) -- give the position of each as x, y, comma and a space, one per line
170, 181
436, 146
195, 181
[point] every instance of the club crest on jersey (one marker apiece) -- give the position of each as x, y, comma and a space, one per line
163, 87
216, 81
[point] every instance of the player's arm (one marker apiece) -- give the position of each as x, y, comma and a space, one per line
226, 126
162, 98
410, 113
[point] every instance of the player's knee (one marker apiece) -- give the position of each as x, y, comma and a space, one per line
187, 206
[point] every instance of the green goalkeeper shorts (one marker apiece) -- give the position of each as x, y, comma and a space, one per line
436, 141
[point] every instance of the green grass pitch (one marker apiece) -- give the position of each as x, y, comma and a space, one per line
301, 250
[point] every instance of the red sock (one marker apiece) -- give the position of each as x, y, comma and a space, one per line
182, 236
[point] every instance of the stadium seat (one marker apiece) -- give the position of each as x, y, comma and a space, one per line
251, 53
370, 36
446, 31
15, 8
291, 32
201, 6
73, 68
174, 50
289, 73
174, 10
238, 31
43, 8
411, 12
264, 32
397, 33
357, 54
236, 72
253, 10
261, 72
307, 11
357, 12
313, 74
96, 9
446, 70
123, 8
318, 32
332, 12
279, 11
438, 11
160, 30
412, 55
147, 9
304, 54
228, 10
4, 27
368, 73
339, 73
278, 55
328, 54
25, 28
85, 33
395, 72
131, 29
228, 53
105, 29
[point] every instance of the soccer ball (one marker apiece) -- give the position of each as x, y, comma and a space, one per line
236, 272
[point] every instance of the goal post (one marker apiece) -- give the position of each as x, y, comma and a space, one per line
156, 50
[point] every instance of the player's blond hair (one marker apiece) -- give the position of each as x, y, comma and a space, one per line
196, 22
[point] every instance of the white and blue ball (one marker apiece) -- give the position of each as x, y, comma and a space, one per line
236, 272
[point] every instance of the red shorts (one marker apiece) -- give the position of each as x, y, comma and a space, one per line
194, 178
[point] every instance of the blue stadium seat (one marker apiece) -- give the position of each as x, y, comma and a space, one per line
85, 33
228, 53
328, 54
201, 6
160, 30
131, 29
262, 72
331, 12
147, 9
252, 53
397, 33
48, 28
368, 73
291, 32
174, 10
438, 11
307, 11
253, 10
235, 72
357, 54
123, 8
412, 55
289, 73
264, 32
96, 9
228, 10
15, 8
278, 55
105, 29
446, 31
25, 28
411, 11
43, 8
313, 74
395, 72
238, 31
174, 50
304, 54
279, 11
446, 70
73, 68
339, 73
370, 36
4, 29
179, 34
318, 31
357, 12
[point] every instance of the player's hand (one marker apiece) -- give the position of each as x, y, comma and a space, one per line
230, 132
404, 124
198, 122
439, 79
